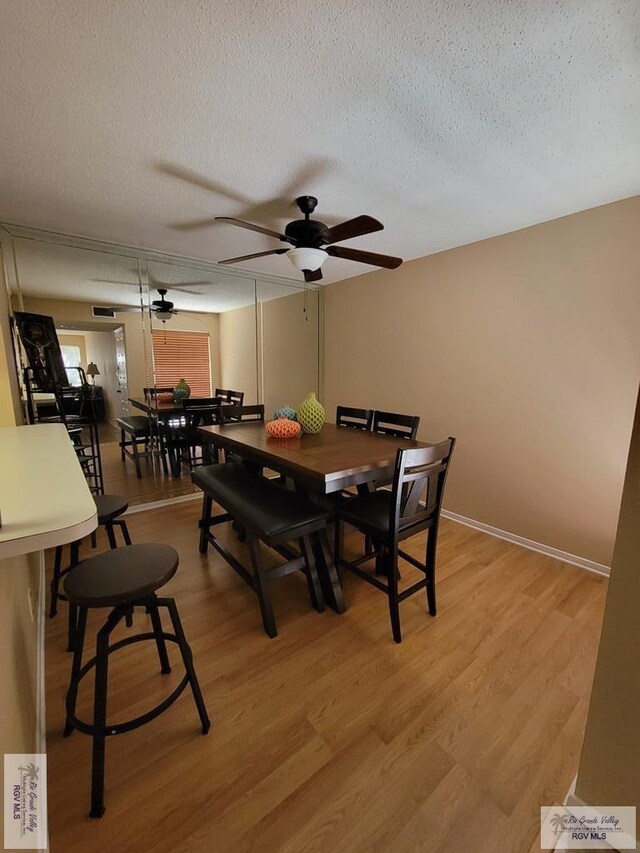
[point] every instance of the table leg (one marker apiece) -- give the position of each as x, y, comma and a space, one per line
173, 453
329, 580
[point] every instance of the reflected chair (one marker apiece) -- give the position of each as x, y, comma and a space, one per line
389, 517
396, 425
228, 396
355, 418
198, 411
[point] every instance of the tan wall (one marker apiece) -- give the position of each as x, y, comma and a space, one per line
139, 362
286, 368
289, 350
526, 347
10, 404
18, 575
238, 349
19, 696
609, 771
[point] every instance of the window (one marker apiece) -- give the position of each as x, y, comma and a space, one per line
182, 355
71, 358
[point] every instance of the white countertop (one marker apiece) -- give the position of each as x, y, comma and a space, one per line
44, 497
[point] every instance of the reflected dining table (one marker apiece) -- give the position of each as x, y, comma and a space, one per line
333, 459
164, 411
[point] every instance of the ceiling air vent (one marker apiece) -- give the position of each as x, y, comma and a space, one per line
98, 311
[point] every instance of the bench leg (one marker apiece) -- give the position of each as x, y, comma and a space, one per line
122, 441
262, 588
204, 529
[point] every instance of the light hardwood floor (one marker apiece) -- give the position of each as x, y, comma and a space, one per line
120, 475
331, 737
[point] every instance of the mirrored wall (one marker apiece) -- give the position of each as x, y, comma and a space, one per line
137, 320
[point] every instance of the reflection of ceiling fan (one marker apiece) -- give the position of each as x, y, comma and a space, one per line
312, 241
161, 308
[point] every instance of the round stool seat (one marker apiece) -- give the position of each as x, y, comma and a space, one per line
110, 507
121, 575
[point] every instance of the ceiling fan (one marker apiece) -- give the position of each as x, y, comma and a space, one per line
312, 241
162, 309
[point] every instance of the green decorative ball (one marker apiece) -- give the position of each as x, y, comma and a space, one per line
285, 412
311, 414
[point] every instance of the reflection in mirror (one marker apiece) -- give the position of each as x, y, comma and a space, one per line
218, 330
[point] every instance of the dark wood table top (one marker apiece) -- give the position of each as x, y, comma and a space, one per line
332, 459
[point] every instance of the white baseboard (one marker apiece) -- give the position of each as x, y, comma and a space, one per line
179, 499
563, 556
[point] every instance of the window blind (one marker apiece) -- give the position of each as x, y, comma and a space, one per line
182, 355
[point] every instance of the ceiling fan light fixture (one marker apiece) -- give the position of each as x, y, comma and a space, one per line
163, 315
306, 258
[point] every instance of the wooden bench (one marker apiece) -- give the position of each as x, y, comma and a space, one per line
269, 513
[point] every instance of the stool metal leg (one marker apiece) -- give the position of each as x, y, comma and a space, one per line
73, 610
111, 536
100, 712
154, 613
122, 524
75, 668
187, 659
55, 582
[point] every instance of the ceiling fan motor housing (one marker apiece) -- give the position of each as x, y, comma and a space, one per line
307, 232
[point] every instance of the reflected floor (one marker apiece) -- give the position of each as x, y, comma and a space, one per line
120, 476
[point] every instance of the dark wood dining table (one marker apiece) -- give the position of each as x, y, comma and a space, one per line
329, 461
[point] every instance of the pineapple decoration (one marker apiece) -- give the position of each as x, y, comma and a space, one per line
311, 414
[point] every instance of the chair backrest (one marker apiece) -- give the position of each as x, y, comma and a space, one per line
202, 411
354, 418
244, 414
228, 396
418, 471
398, 426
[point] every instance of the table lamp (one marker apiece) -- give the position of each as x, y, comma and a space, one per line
92, 371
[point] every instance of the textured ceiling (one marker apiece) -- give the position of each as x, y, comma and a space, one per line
449, 121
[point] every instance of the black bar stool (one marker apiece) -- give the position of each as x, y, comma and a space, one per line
123, 579
109, 508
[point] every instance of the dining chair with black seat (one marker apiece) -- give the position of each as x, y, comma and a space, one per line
396, 425
355, 418
197, 412
244, 414
390, 517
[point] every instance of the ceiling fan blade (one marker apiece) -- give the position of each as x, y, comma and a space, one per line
353, 228
254, 255
373, 258
120, 309
251, 227
316, 275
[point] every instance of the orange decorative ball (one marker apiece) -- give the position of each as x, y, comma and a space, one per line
283, 428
